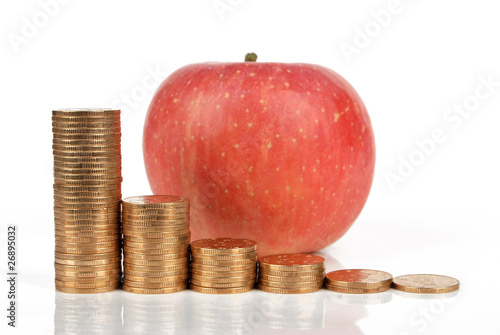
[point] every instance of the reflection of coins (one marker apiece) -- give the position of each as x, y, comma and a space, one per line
222, 246
291, 273
210, 290
426, 283
358, 278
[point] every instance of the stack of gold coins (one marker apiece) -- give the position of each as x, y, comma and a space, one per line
223, 265
87, 193
156, 244
291, 273
358, 281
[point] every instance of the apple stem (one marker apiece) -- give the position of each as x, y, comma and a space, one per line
251, 57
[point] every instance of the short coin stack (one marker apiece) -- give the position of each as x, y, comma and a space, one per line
426, 283
291, 273
223, 265
358, 281
156, 244
87, 193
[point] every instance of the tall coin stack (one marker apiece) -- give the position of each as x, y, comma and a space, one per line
156, 244
291, 273
87, 193
223, 265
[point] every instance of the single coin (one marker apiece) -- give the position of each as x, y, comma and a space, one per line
131, 256
141, 211
280, 290
89, 153
224, 262
353, 290
202, 273
115, 129
224, 268
88, 251
426, 283
89, 227
165, 251
85, 112
86, 118
223, 246
86, 176
85, 143
98, 262
88, 274
225, 257
266, 277
164, 234
154, 223
73, 268
155, 202
164, 290
80, 211
71, 171
292, 262
67, 196
301, 284
87, 204
114, 181
205, 283
300, 273
154, 280
108, 238
203, 279
62, 223
158, 263
156, 274
146, 268
83, 233
154, 229
358, 278
211, 290
83, 124
137, 245
92, 257
103, 136
88, 245
73, 290
153, 285
106, 159
175, 239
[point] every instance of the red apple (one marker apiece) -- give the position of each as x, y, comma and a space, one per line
279, 153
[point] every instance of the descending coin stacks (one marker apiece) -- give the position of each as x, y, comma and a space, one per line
156, 244
223, 265
87, 193
358, 281
291, 273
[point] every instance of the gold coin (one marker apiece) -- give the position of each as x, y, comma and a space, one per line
114, 181
89, 211
301, 284
101, 279
83, 233
64, 195
224, 262
146, 268
61, 177
82, 124
89, 251
210, 290
153, 229
173, 239
354, 290
103, 136
113, 286
90, 227
92, 257
292, 262
156, 274
107, 166
164, 290
59, 144
426, 283
158, 263
136, 245
266, 277
86, 205
85, 112
97, 262
317, 272
358, 278
86, 118
73, 268
166, 251
111, 222
115, 129
205, 279
144, 257
108, 238
89, 153
156, 221
225, 257
89, 245
205, 283
153, 280
221, 246
241, 273
155, 235
88, 274
153, 285
140, 211
156, 202
280, 290
223, 268
114, 158
77, 171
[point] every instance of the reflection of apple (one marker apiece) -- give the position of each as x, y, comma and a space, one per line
279, 153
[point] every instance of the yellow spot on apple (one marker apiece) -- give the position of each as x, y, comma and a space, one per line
316, 121
301, 130
277, 169
237, 186
261, 101
336, 115
236, 145
202, 138
252, 74
223, 154
277, 135
226, 190
252, 194
204, 167
346, 109
236, 125
363, 129
195, 88
287, 188
175, 100
242, 96
288, 71
218, 106
221, 75
226, 95
250, 125
303, 168
294, 140
287, 84
298, 112
250, 169
247, 110
192, 137
266, 191
156, 160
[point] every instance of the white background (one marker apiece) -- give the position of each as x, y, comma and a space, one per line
424, 59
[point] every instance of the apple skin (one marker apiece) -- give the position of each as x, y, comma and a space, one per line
279, 153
